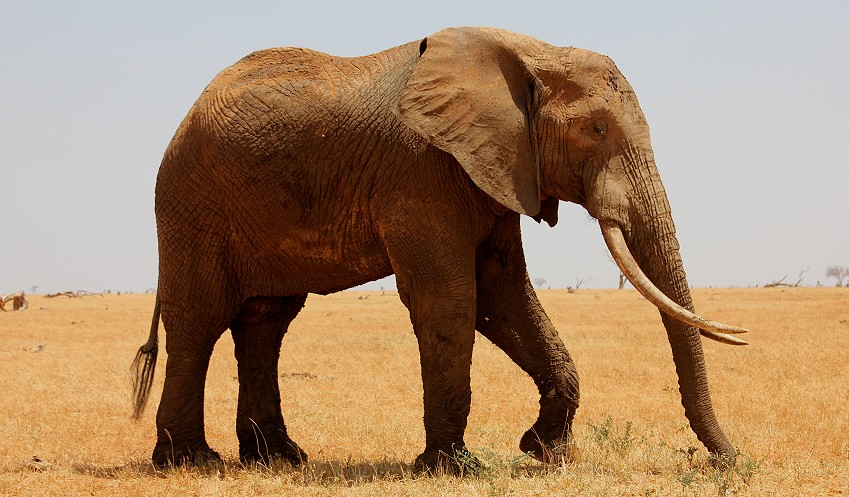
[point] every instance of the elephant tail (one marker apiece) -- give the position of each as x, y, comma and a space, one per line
144, 365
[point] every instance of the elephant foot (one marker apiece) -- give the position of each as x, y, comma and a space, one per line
550, 438
548, 446
171, 454
263, 447
455, 461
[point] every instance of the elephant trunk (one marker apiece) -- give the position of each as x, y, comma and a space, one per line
651, 239
693, 386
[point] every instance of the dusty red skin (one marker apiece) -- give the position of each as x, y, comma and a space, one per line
298, 172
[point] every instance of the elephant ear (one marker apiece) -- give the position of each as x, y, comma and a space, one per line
471, 95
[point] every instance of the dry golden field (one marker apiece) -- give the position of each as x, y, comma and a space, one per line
352, 399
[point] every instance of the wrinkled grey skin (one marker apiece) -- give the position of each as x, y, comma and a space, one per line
298, 172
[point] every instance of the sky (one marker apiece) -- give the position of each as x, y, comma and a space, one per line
747, 104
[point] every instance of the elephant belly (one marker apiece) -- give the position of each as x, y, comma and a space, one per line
309, 260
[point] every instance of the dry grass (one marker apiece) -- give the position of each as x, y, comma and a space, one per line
352, 397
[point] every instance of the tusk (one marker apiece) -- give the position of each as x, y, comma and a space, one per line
722, 337
622, 255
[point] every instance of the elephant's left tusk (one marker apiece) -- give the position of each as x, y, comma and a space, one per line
724, 338
622, 255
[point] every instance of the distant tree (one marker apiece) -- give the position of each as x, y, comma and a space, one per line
578, 283
539, 282
622, 278
33, 289
839, 273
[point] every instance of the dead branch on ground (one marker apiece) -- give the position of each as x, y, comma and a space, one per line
69, 294
781, 282
19, 301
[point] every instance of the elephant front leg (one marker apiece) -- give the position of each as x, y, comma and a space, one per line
445, 333
442, 312
257, 334
528, 338
511, 317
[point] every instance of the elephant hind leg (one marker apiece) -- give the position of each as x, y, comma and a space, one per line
258, 333
191, 333
179, 420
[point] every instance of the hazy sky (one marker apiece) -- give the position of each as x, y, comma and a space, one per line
747, 102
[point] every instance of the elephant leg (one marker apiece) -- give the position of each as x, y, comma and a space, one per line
257, 333
440, 295
511, 317
180, 419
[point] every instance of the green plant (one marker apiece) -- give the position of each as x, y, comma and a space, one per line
686, 477
727, 475
689, 452
607, 438
489, 466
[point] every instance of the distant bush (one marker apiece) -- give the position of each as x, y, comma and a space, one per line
839, 273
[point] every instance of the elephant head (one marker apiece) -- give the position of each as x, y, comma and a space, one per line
530, 122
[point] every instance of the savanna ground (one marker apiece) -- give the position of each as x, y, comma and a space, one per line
352, 398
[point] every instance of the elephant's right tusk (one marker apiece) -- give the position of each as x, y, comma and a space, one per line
615, 241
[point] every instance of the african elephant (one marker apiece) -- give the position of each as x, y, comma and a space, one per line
298, 172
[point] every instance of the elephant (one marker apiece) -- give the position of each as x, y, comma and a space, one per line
299, 172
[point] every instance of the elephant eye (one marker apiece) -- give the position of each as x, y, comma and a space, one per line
600, 128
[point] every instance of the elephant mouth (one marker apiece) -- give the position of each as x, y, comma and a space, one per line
615, 241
